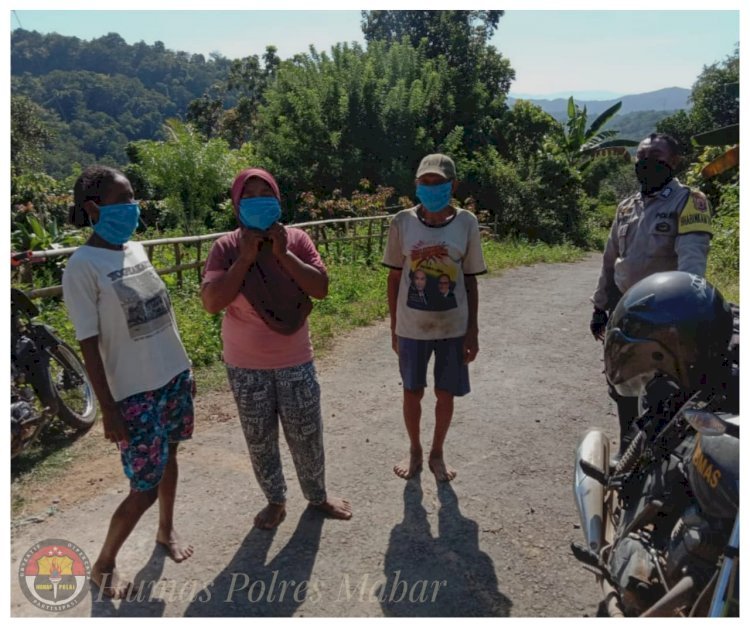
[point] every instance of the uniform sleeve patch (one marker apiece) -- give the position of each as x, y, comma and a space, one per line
699, 200
695, 216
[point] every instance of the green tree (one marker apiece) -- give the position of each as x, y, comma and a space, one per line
331, 120
477, 76
28, 135
228, 108
524, 130
715, 105
191, 174
446, 32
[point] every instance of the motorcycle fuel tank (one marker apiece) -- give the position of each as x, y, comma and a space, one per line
714, 474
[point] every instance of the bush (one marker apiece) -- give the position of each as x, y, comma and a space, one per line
537, 199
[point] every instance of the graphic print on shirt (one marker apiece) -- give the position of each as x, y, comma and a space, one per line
432, 278
144, 300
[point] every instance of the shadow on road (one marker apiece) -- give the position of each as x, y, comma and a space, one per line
146, 596
248, 587
443, 576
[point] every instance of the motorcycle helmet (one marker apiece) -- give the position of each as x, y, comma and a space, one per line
672, 324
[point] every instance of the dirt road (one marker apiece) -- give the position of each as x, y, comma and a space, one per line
495, 542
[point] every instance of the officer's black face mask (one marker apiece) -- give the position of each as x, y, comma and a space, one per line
653, 174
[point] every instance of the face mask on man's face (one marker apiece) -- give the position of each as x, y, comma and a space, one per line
653, 174
435, 197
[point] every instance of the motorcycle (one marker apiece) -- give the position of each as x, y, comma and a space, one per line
47, 378
662, 525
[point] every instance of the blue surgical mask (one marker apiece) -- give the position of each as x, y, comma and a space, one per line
117, 223
435, 197
259, 212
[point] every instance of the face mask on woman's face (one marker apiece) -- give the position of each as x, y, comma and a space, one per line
434, 197
117, 223
653, 174
259, 212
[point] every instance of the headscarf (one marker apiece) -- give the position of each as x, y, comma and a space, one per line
239, 184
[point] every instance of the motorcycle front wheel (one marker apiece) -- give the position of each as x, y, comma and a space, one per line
76, 400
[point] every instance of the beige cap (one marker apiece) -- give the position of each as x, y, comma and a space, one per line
437, 163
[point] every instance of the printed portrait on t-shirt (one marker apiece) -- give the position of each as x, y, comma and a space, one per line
143, 298
432, 278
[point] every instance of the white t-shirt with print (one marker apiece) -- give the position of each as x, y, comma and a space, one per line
434, 259
118, 296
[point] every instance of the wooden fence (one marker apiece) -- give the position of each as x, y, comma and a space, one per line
338, 239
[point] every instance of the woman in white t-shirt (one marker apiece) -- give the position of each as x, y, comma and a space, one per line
135, 359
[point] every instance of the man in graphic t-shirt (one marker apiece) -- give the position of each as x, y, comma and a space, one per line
427, 245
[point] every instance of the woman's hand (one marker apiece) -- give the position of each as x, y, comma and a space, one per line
250, 242
278, 235
113, 422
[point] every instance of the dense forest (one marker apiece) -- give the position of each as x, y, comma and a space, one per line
96, 96
342, 129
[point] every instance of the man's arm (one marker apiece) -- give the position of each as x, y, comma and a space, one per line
694, 234
394, 280
606, 284
471, 340
692, 252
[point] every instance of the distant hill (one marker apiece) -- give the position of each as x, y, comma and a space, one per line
637, 124
668, 99
98, 95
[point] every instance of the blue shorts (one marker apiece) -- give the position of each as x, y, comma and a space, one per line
451, 374
154, 419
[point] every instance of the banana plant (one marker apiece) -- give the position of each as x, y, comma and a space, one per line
581, 144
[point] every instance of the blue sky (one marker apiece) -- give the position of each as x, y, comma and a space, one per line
587, 53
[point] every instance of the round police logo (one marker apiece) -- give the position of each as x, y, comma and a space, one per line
54, 575
700, 202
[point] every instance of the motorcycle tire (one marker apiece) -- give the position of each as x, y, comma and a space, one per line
47, 402
75, 394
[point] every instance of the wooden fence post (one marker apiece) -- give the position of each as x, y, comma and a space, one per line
198, 260
369, 240
338, 243
178, 261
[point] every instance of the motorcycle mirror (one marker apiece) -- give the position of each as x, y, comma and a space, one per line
705, 422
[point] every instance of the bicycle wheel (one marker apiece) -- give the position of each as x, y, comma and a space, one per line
77, 403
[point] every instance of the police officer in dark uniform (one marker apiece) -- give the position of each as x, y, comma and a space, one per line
666, 226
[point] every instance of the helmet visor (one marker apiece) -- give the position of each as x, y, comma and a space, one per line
631, 363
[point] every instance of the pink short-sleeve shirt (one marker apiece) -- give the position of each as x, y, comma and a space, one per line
247, 341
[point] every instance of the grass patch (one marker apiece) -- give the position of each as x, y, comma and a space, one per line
509, 253
727, 281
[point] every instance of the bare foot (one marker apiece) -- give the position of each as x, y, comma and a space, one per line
443, 473
335, 507
410, 466
108, 581
173, 544
271, 516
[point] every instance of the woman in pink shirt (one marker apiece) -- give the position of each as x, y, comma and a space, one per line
263, 274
